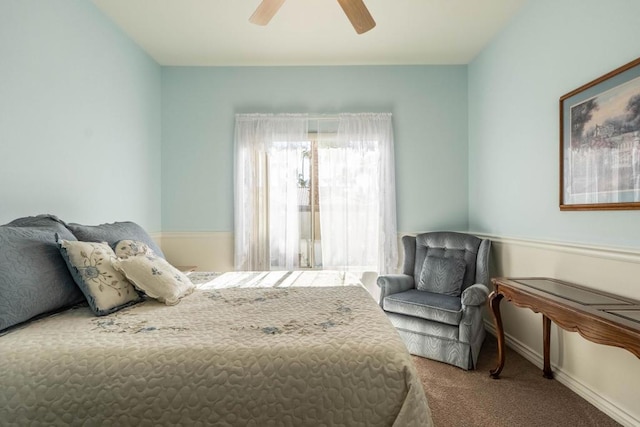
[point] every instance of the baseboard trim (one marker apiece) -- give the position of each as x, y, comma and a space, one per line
582, 390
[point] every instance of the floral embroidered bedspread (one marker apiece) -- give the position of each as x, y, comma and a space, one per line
296, 356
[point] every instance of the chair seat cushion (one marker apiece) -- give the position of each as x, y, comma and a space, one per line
426, 305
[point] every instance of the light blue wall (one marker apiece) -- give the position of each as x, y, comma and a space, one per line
550, 48
79, 116
429, 104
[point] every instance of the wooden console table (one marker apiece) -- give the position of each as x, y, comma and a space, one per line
598, 316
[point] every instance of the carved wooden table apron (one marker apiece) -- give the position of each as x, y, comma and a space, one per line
598, 316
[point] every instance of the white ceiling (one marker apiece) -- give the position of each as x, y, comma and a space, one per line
310, 32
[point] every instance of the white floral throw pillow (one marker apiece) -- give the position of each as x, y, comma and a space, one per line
127, 248
155, 277
91, 265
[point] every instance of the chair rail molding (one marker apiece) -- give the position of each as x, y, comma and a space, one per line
605, 252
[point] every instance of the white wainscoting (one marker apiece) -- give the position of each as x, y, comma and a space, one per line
208, 251
608, 377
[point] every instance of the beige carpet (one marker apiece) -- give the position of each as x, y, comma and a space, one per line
521, 397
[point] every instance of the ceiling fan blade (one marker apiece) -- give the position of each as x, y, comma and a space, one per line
265, 11
358, 14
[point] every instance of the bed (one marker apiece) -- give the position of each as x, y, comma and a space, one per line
282, 349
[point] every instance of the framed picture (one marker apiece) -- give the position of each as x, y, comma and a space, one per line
600, 143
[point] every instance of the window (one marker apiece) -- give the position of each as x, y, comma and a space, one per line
315, 200
310, 249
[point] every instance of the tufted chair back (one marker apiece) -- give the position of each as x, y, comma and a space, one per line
473, 250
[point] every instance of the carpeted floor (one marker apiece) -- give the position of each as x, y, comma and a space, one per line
521, 397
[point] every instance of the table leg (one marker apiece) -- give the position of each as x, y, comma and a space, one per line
546, 336
494, 301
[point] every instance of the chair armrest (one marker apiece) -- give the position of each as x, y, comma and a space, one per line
475, 295
394, 283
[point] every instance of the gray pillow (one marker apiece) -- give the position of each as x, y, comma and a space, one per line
34, 279
442, 275
113, 233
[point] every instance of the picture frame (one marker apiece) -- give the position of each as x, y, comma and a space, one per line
600, 142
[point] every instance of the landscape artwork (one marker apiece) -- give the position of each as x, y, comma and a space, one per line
600, 147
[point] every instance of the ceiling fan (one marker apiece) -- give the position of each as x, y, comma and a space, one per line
355, 10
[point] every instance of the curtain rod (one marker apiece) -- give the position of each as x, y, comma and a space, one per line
334, 116
323, 117
316, 117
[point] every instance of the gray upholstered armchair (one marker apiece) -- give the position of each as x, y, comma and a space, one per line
436, 303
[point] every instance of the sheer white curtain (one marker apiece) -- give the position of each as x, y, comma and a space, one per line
267, 148
357, 195
356, 187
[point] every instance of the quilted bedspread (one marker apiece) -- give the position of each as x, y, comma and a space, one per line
297, 356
